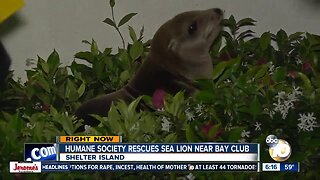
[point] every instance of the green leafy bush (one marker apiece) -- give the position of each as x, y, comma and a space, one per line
260, 86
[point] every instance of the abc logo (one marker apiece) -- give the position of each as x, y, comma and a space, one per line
190, 167
272, 140
279, 149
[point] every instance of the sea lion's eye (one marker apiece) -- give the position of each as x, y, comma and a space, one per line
193, 28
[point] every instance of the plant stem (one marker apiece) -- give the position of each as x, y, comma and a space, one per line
117, 28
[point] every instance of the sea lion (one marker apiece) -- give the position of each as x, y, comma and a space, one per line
179, 55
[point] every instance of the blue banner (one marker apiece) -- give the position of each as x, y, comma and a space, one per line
40, 152
160, 148
292, 167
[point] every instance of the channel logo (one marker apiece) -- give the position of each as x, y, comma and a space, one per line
40, 152
279, 149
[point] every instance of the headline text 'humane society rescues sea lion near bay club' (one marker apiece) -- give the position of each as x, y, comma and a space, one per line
179, 55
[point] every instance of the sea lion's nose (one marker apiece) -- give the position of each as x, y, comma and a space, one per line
218, 11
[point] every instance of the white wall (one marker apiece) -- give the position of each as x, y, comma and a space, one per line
44, 25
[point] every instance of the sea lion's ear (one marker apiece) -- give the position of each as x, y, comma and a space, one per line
173, 44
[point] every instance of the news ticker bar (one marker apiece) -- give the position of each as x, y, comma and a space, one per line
281, 167
39, 167
170, 157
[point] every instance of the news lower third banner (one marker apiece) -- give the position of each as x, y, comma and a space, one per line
108, 153
186, 152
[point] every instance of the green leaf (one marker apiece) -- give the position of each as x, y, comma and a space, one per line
136, 50
71, 91
107, 51
14, 122
244, 109
108, 62
261, 72
133, 105
312, 142
85, 42
217, 45
81, 89
295, 36
43, 83
44, 98
241, 82
265, 40
43, 65
252, 72
126, 18
67, 124
282, 40
99, 68
205, 96
306, 81
190, 134
245, 34
231, 66
225, 75
213, 131
174, 107
88, 56
141, 33
112, 3
53, 62
218, 69
132, 34
280, 74
255, 107
171, 138
110, 22
148, 124
53, 111
234, 63
227, 35
204, 84
124, 76
231, 24
246, 22
94, 48
235, 134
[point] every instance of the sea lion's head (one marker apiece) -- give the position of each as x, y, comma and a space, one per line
182, 44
